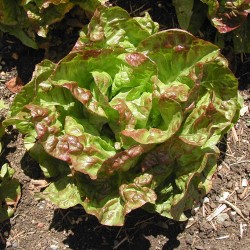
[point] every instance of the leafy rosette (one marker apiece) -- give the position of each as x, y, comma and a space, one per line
30, 20
227, 15
128, 119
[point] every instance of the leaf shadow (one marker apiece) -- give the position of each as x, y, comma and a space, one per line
8, 141
5, 228
141, 231
222, 145
30, 167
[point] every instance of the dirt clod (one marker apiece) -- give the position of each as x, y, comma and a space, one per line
15, 85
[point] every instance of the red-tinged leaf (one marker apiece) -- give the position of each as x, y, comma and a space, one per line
135, 59
124, 160
227, 16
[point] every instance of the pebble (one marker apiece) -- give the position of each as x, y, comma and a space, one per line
192, 230
195, 210
40, 225
225, 195
15, 56
14, 244
8, 244
53, 247
206, 200
247, 168
212, 205
220, 233
204, 226
220, 175
227, 224
245, 212
244, 182
232, 216
221, 218
41, 205
199, 247
229, 185
240, 190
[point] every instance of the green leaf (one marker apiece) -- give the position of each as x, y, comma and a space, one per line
105, 31
63, 193
136, 196
184, 12
10, 192
48, 163
3, 105
111, 212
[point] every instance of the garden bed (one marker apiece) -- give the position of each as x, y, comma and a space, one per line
37, 224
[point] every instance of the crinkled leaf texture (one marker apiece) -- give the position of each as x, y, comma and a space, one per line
10, 192
29, 20
128, 120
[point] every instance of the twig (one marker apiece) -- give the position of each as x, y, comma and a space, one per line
241, 230
235, 136
230, 150
14, 217
203, 210
226, 165
214, 227
138, 9
244, 193
116, 246
216, 212
119, 232
17, 235
222, 237
236, 209
246, 196
146, 220
239, 162
190, 223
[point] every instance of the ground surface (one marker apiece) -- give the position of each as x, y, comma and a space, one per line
39, 225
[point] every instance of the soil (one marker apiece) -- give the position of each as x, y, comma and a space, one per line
37, 224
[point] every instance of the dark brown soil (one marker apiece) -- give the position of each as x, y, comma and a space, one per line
37, 224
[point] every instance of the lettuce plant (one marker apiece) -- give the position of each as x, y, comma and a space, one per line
130, 118
30, 20
10, 192
9, 187
230, 18
227, 15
